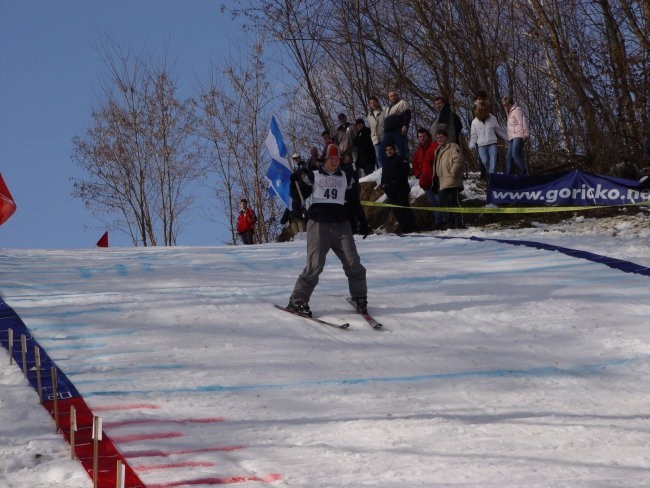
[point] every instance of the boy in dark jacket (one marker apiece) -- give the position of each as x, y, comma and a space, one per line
395, 183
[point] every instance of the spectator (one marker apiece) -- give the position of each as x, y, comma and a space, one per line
394, 182
481, 97
297, 159
366, 159
297, 215
348, 167
345, 134
327, 140
332, 193
483, 133
296, 220
446, 119
245, 222
376, 126
312, 162
448, 180
422, 164
397, 118
517, 135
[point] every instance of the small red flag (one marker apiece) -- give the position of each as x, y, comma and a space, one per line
103, 240
7, 204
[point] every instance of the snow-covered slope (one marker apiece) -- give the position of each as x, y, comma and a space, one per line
498, 366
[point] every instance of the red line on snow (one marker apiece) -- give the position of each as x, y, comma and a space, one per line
134, 406
157, 453
123, 423
145, 437
269, 478
187, 464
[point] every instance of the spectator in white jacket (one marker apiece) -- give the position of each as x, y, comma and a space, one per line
484, 132
376, 125
517, 135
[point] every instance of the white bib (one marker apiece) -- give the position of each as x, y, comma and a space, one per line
329, 188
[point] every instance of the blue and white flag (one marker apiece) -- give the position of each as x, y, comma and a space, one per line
279, 172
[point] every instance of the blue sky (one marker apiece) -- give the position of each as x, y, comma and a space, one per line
49, 78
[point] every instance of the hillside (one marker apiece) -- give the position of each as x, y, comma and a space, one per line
508, 358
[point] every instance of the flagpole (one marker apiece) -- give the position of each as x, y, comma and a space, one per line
302, 199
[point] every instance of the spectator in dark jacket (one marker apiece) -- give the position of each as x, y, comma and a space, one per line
397, 117
446, 119
366, 159
395, 183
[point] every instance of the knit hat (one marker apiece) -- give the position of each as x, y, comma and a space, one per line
332, 151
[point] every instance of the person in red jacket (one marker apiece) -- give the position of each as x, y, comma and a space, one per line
422, 164
245, 222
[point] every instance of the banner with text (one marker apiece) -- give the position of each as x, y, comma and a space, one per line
574, 188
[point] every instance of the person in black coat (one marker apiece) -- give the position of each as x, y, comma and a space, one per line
446, 119
366, 156
394, 182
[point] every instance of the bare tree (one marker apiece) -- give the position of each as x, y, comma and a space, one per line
138, 154
580, 67
297, 25
177, 164
600, 67
235, 112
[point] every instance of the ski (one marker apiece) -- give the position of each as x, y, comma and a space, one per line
371, 321
314, 319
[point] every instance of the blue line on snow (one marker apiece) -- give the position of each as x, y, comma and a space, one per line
74, 313
63, 347
116, 333
121, 270
619, 264
85, 273
104, 381
540, 372
124, 369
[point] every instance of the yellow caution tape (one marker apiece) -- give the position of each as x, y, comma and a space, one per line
502, 210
